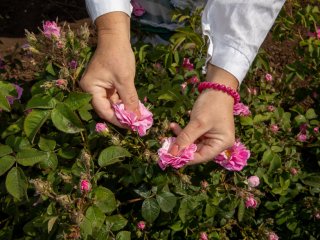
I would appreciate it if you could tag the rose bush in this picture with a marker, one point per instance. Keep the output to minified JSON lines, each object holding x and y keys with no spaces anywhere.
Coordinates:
{"x":65,"y":174}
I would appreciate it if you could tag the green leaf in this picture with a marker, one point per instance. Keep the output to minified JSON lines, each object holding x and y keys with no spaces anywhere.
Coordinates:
{"x":187,"y":205}
{"x":275,"y":163}
{"x":65,"y":119}
{"x":96,"y":217}
{"x":6,"y":163}
{"x":46,"y":144}
{"x":76,"y":100}
{"x":150,"y":209}
{"x":167,"y":201}
{"x":104,"y":199}
{"x":16,"y":183}
{"x":260,"y":118}
{"x":41,"y":101}
{"x":267,"y":157}
{"x":300,"y":119}
{"x":241,"y":210}
{"x":29,"y":157}
{"x":112,"y":155}
{"x":311,"y":114}
{"x":51,"y":223}
{"x":116,"y":222}
{"x":50,"y":163}
{"x":123,"y":235}
{"x":312,"y":180}
{"x":13,"y":128}
{"x":246,"y":121}
{"x":50,"y":69}
{"x":5,"y":150}
{"x":34,"y":122}
{"x":4,"y":104}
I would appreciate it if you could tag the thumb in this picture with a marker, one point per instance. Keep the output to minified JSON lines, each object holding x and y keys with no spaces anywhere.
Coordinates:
{"x":129,"y":97}
{"x":187,"y":136}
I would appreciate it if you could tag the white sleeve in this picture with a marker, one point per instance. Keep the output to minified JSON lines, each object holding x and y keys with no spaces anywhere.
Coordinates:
{"x":97,"y":8}
{"x":236,"y":29}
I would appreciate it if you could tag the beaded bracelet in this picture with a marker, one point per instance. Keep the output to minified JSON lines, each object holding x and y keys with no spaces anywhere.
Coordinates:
{"x":220,"y":87}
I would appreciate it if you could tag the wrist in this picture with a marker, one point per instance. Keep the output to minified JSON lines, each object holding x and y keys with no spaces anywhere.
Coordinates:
{"x":114,"y":24}
{"x":221,"y":76}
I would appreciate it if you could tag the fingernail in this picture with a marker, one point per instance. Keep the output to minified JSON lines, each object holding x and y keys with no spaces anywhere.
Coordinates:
{"x":174,"y":150}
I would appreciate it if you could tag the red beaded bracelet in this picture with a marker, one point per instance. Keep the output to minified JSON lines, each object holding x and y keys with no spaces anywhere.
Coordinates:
{"x":220,"y":87}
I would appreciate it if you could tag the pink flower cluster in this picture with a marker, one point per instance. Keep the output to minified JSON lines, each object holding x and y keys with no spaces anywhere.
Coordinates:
{"x":272,"y":236}
{"x":251,"y":202}
{"x":268,"y":77}
{"x":50,"y":28}
{"x":234,"y":158}
{"x":137,"y":10}
{"x":166,"y":159}
{"x":141,"y":225}
{"x":239,"y":109}
{"x":130,"y":119}
{"x":253,"y":181}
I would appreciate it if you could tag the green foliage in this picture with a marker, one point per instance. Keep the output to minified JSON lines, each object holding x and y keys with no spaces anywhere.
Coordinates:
{"x":49,"y":148}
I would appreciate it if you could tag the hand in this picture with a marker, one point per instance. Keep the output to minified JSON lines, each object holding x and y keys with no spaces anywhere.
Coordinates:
{"x":211,"y":124}
{"x":110,"y":74}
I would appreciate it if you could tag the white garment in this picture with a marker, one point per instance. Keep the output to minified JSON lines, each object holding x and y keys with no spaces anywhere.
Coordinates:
{"x":236,"y":28}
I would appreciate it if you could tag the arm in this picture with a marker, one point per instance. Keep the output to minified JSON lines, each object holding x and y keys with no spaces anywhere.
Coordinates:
{"x":236,"y":30}
{"x":110,"y":74}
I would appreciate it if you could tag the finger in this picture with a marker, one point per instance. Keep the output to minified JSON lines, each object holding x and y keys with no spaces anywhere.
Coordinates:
{"x":175,"y":128}
{"x":187,"y":136}
{"x":129,"y":97}
{"x":207,"y":152}
{"x":103,"y":107}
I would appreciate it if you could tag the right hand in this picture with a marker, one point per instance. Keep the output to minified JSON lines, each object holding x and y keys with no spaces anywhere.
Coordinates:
{"x":110,"y":74}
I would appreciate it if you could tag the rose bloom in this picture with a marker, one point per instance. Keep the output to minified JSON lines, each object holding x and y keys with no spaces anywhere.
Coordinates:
{"x":137,"y":10}
{"x":302,"y":137}
{"x":102,"y":128}
{"x":141,"y":225}
{"x":203,"y":236}
{"x":166,"y":159}
{"x":187,"y":64}
{"x":50,"y":29}
{"x":274,"y":128}
{"x":271,"y":108}
{"x":272,"y":236}
{"x":268,"y":77}
{"x":234,"y":158}
{"x":241,"y":109}
{"x":85,"y":185}
{"x":251,"y":202}
{"x":130,"y":119}
{"x":194,"y":80}
{"x":316,"y":130}
{"x":293,"y":171}
{"x":253,"y":181}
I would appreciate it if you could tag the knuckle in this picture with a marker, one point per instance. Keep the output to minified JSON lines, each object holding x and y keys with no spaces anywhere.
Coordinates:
{"x":184,"y":137}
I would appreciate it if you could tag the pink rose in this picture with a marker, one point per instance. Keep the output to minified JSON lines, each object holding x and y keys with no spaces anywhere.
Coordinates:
{"x":203,"y":236}
{"x":187,"y":64}
{"x":85,"y":185}
{"x":268,"y":77}
{"x":293,"y":171}
{"x":131,"y":120}
{"x":194,"y":80}
{"x":272,"y":236}
{"x":102,"y":129}
{"x":138,"y":10}
{"x":316,"y":130}
{"x":166,"y":159}
{"x":51,"y":29}
{"x":253,"y":181}
{"x":271,"y":108}
{"x":241,"y":109}
{"x":234,"y":158}
{"x":251,"y":202}
{"x":141,"y":225}
{"x":302,"y":137}
{"x":62,"y":83}
{"x":274,"y":128}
